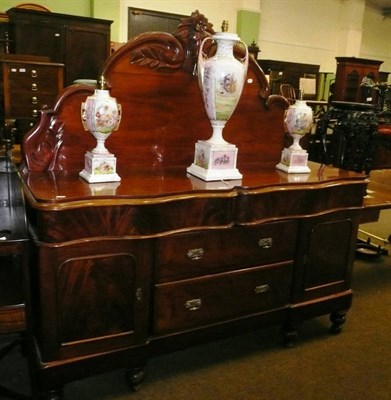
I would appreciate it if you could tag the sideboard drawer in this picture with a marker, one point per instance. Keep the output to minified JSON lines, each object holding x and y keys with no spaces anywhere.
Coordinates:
{"x":195,"y":302}
{"x":213,"y":251}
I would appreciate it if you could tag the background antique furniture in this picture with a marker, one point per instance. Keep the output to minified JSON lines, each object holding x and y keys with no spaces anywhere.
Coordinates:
{"x":289,"y":72}
{"x":28,"y":84}
{"x":82,"y":44}
{"x":14,"y":244}
{"x":349,"y":74}
{"x":288,"y":92}
{"x":347,"y":136}
{"x":162,"y":259}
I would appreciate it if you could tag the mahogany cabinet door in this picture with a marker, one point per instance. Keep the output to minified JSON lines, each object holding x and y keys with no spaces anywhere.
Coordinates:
{"x":94,"y":297}
{"x":325,"y":255}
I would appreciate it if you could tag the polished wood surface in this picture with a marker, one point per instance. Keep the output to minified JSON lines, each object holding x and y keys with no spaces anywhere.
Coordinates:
{"x":162,"y":259}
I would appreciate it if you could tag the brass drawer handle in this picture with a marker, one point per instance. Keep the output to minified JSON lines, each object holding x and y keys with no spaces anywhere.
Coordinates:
{"x":139,"y":294}
{"x":193,"y":305}
{"x":34,"y":100}
{"x":34,"y":73}
{"x":195,"y":254}
{"x":35,"y":113}
{"x":261,"y":289}
{"x":34,"y":87}
{"x":265,"y":243}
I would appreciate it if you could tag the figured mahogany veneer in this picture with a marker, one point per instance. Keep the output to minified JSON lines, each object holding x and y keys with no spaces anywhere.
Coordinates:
{"x":162,"y":259}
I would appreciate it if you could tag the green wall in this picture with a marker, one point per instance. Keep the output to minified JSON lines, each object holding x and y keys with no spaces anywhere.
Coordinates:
{"x":104,"y":9}
{"x":247,"y":25}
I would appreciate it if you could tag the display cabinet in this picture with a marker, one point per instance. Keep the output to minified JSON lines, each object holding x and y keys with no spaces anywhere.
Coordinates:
{"x":348,"y":77}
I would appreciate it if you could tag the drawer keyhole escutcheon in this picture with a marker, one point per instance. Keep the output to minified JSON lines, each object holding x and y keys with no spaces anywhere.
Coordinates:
{"x":193,"y":304}
{"x":195,"y":254}
{"x":265,"y":243}
{"x":261,"y":289}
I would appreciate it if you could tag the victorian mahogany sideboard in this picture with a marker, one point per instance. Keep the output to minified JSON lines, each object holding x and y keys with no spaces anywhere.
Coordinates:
{"x":161,"y":260}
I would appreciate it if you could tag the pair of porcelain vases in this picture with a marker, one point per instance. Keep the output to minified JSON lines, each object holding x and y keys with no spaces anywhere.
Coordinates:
{"x":221,"y":80}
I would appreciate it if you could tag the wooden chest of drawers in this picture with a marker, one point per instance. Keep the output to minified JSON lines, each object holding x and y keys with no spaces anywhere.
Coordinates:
{"x":27,"y":87}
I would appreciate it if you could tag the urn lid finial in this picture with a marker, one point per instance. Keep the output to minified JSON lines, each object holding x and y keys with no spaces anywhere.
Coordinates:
{"x":102,"y":83}
{"x":224,"y":26}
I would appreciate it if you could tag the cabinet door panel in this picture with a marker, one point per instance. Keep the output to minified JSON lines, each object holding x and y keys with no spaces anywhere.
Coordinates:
{"x":326,"y":254}
{"x":81,"y":44}
{"x":93,"y":297}
{"x":41,"y":39}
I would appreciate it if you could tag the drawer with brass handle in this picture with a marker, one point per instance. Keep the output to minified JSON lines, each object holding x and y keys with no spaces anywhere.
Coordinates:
{"x":195,"y":254}
{"x":201,"y":301}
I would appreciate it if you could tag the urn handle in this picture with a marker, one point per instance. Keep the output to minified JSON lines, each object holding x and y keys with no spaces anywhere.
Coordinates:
{"x":244,"y":60}
{"x":202,"y":57}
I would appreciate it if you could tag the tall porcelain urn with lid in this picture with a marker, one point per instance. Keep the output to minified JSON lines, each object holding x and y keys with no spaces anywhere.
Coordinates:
{"x":100,"y":115}
{"x":298,"y":122}
{"x":221,"y":79}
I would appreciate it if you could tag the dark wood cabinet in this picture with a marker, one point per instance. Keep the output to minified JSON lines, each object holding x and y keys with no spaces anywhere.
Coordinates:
{"x":349,"y":74}
{"x":82,"y":44}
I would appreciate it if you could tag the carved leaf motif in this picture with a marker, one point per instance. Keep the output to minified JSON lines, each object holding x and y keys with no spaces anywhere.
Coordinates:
{"x":157,"y":57}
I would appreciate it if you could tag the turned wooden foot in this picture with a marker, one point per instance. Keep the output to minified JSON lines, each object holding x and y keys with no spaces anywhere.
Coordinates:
{"x":337,"y":319}
{"x":289,"y":335}
{"x":135,"y":377}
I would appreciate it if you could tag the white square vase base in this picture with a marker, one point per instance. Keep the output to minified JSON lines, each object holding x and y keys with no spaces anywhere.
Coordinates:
{"x":215,"y":162}
{"x":99,"y":168}
{"x":294,"y":161}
